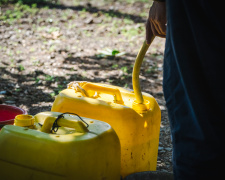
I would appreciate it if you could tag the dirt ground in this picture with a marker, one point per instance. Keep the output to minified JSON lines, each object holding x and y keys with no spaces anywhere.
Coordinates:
{"x":44,"y":47}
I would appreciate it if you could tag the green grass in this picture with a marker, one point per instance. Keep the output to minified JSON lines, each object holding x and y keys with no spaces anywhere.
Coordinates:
{"x":152,"y":69}
{"x":26,"y":1}
{"x":19,"y":11}
{"x":109,"y":53}
{"x":133,"y":1}
{"x":21,"y":67}
{"x":76,"y":2}
{"x":49,"y":78}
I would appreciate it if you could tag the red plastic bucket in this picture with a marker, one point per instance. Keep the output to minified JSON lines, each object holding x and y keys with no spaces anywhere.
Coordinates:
{"x":8,"y":113}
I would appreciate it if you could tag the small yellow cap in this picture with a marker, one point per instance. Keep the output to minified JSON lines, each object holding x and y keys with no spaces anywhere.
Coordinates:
{"x":141,"y":108}
{"x":24,"y":120}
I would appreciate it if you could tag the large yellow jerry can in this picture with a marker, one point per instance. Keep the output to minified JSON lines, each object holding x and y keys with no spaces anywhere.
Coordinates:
{"x":74,"y":152}
{"x":135,"y":118}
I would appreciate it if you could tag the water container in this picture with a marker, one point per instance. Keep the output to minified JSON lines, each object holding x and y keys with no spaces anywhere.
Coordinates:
{"x":60,"y":147}
{"x":135,"y":117}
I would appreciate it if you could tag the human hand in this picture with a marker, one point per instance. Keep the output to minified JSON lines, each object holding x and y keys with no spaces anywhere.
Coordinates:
{"x":156,"y":23}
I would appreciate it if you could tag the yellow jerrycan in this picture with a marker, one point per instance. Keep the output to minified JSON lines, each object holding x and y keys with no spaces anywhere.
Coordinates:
{"x":58,"y":146}
{"x":135,"y":117}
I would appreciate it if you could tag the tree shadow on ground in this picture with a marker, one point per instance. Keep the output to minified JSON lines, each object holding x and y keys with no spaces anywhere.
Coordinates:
{"x":19,"y":89}
{"x":89,"y":8}
{"x":36,"y":88}
{"x":92,"y":9}
{"x":114,"y":70}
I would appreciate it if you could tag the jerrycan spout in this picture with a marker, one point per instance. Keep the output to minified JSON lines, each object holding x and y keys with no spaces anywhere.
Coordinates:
{"x":139,"y":104}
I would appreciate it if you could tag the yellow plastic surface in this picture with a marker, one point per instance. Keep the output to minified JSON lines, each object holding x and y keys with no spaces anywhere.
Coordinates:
{"x":74,"y":152}
{"x":136,"y":72}
{"x":138,"y":133}
{"x":24,"y":120}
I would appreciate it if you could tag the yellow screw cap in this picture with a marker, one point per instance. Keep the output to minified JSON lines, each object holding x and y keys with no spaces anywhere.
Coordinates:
{"x":141,"y":108}
{"x":24,"y":120}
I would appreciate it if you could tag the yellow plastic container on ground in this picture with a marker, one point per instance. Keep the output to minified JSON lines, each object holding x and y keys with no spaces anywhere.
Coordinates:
{"x":60,"y":147}
{"x":135,"y":118}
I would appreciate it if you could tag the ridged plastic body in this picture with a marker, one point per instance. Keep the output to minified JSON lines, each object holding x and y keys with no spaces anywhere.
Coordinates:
{"x":31,"y":154}
{"x":138,"y":133}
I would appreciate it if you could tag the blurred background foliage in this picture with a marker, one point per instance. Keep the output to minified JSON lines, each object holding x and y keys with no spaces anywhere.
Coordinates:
{"x":27,"y":1}
{"x":56,"y":1}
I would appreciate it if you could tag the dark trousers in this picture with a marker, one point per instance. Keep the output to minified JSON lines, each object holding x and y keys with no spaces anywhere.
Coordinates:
{"x":194,"y":81}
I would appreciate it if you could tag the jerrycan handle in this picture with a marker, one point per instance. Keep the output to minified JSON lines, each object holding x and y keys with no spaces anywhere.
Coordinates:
{"x":139,"y":103}
{"x":107,"y":90}
{"x":52,"y":122}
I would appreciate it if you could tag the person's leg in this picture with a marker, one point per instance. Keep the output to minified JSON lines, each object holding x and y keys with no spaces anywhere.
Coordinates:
{"x":193,"y":89}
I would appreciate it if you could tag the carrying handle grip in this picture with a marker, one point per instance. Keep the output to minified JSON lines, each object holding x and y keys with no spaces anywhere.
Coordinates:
{"x":136,"y":72}
{"x":78,"y":125}
{"x":107,"y":90}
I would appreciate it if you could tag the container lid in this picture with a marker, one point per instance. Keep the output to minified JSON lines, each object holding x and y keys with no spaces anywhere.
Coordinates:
{"x":24,"y":120}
